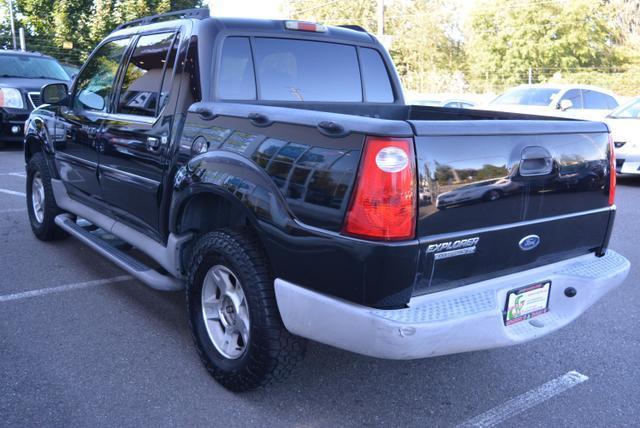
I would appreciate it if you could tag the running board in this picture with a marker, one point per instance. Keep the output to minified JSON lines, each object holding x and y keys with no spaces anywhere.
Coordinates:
{"x":168,"y":256}
{"x":144,"y":273}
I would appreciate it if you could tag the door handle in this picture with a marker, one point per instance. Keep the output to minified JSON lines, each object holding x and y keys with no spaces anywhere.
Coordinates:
{"x":153,"y":143}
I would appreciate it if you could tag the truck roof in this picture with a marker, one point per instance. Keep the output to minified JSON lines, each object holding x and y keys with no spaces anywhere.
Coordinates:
{"x":264,"y":26}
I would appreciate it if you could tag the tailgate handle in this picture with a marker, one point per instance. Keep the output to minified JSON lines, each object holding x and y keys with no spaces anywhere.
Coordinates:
{"x":535,"y":160}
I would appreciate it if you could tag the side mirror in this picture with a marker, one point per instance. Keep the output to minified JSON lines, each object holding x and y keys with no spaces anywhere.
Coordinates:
{"x":54,"y":94}
{"x":91,"y":100}
{"x":565,"y":105}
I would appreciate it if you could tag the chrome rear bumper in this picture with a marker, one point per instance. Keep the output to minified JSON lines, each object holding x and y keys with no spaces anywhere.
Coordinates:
{"x":459,"y":320}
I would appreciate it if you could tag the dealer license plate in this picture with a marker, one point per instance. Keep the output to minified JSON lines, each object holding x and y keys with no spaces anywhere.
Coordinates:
{"x":527,"y":302}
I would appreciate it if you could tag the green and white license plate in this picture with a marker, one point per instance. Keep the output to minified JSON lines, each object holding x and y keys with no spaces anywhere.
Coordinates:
{"x":527,"y":302}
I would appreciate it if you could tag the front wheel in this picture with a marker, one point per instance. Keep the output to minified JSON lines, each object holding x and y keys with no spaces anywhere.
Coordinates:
{"x":41,"y":204}
{"x":233,"y":313}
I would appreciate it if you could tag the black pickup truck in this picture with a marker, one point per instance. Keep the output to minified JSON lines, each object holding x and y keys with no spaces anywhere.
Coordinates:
{"x":273,"y":170}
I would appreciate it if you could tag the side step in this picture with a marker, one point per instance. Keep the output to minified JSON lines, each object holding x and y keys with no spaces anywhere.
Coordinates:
{"x":144,"y":273}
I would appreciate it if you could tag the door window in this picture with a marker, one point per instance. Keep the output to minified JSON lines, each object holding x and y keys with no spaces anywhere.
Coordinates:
{"x":95,"y":81}
{"x":140,"y":93}
{"x":575,"y":96}
{"x":594,"y":100}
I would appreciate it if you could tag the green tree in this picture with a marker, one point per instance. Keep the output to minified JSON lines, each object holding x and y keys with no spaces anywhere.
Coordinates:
{"x":51,"y":23}
{"x":505,"y":39}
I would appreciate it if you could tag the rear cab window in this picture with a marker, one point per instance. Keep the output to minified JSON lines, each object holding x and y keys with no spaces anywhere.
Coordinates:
{"x":280,"y":69}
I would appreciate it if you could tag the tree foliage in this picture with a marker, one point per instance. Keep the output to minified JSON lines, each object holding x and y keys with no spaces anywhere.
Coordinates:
{"x":51,"y":23}
{"x":590,"y":41}
{"x":562,"y":36}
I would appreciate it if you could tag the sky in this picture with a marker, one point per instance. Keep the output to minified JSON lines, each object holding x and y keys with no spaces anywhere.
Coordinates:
{"x":267,"y":9}
{"x":273,"y":9}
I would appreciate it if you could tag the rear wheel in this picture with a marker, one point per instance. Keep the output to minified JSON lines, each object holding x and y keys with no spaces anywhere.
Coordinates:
{"x":233,"y":313}
{"x":41,"y":204}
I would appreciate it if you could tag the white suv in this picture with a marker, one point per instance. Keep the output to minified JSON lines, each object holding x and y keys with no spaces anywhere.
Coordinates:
{"x":579,"y":101}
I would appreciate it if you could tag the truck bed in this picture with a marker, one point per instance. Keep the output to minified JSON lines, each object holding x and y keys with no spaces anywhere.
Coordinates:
{"x":470,"y":182}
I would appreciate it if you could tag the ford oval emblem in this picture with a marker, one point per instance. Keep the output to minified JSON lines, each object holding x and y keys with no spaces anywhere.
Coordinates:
{"x":529,"y":242}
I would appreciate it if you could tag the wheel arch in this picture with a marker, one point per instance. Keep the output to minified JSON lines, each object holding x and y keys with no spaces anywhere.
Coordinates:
{"x":224,"y":210}
{"x":36,"y":138}
{"x":32,"y":145}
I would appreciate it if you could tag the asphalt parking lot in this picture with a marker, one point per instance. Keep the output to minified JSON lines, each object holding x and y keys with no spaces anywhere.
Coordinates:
{"x":81,"y":344}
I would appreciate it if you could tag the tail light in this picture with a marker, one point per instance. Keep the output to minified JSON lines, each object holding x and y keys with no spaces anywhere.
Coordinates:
{"x":383,"y":205}
{"x":612,"y":172}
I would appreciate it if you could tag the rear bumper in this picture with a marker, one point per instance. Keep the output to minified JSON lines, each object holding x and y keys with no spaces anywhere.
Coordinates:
{"x":464,"y":319}
{"x":628,"y":164}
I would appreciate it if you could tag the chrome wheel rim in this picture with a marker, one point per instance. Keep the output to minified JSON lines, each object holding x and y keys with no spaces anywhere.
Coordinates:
{"x":225,"y":312}
{"x":37,"y":197}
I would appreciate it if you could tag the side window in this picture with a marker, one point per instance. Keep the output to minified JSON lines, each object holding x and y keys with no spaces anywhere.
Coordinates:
{"x":377,"y":87}
{"x":142,"y":81}
{"x":236,"y":79}
{"x":575,"y":96}
{"x":598,"y":101}
{"x":95,"y":83}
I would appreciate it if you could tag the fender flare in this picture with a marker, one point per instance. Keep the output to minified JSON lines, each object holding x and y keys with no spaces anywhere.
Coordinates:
{"x":236,"y":180}
{"x":36,"y":132}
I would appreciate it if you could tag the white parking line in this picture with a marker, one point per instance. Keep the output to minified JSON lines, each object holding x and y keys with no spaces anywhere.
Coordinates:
{"x":12,"y":192}
{"x":63,"y":288}
{"x":14,"y":174}
{"x":526,"y":401}
{"x":12,"y":210}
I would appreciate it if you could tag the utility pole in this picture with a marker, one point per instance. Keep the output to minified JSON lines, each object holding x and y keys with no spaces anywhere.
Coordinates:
{"x":13,"y":28}
{"x":530,"y":75}
{"x":23,"y":45}
{"x":380,"y":16}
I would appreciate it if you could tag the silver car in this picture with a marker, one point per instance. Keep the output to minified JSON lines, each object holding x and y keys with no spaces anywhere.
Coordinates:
{"x":624,"y":124}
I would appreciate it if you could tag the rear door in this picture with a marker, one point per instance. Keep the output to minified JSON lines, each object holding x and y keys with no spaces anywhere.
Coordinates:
{"x":134,"y":140}
{"x":78,"y":158}
{"x":486,"y":189}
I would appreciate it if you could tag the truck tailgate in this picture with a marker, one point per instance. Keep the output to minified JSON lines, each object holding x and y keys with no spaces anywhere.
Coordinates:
{"x":497,"y":196}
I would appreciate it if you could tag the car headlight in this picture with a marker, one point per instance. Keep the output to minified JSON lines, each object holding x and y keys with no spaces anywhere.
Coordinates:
{"x":10,"y":97}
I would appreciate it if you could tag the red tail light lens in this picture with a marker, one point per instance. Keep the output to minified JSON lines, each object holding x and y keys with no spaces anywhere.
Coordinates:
{"x":384,"y":202}
{"x":612,"y":172}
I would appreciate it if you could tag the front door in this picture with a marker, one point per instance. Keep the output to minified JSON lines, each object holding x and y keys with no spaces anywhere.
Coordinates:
{"x":134,"y":141}
{"x":81,"y":122}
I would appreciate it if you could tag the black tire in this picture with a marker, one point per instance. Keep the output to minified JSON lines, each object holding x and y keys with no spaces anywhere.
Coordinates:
{"x":45,"y":228}
{"x":492,"y":195}
{"x":271,"y":352}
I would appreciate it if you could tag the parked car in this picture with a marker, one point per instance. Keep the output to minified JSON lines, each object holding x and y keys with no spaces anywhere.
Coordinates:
{"x":72,"y":70}
{"x":579,"y":101}
{"x":272,"y":169}
{"x":22,"y":75}
{"x":485,"y":190}
{"x":448,"y":103}
{"x":624,"y":123}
